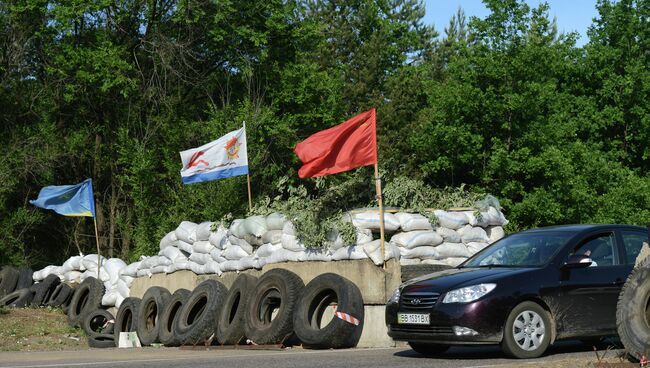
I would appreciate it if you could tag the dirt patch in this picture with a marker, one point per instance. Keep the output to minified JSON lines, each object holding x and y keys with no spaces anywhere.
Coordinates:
{"x":38,"y":329}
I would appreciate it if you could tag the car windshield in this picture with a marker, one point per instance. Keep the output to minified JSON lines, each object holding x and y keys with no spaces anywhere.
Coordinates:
{"x":520,"y":250}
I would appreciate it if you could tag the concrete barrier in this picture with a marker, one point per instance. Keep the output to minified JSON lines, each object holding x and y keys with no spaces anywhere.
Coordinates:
{"x":375,"y":283}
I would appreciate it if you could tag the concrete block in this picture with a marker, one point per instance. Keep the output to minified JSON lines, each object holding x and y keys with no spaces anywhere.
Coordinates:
{"x":375,"y":332}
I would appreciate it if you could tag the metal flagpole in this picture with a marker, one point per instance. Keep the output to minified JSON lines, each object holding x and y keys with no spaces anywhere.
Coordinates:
{"x":99,"y":257}
{"x":248,"y":176}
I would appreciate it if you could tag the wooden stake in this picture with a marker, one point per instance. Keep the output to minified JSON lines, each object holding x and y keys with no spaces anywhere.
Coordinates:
{"x":99,"y":257}
{"x":381,"y":214}
{"x":250,"y":196}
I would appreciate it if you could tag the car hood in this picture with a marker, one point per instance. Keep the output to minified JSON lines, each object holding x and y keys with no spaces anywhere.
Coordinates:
{"x":459,"y":277}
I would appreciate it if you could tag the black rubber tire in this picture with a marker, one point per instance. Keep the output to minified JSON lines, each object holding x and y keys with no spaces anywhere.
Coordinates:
{"x":94,"y":322}
{"x":101,"y":341}
{"x":17,"y":299}
{"x":428,"y":350}
{"x":87,"y":297}
{"x":66,"y":305}
{"x":633,"y":312}
{"x":230,"y":329}
{"x":276,"y":289}
{"x":412,"y":271}
{"x":169,"y":316}
{"x":126,"y":318}
{"x":8,"y":280}
{"x":328,"y":290}
{"x":509,"y":345}
{"x":198,"y":318}
{"x":44,"y":289}
{"x":25,"y":278}
{"x":149,"y":311}
{"x":61,"y":294}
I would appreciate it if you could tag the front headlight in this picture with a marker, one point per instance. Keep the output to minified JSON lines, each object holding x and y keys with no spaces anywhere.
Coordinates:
{"x":468,"y":294}
{"x":394,"y":299}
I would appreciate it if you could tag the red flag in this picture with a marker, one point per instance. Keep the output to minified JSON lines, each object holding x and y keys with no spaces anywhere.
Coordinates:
{"x":340,"y":148}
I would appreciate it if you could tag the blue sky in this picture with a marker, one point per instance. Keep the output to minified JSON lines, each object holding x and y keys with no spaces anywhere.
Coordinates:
{"x":572,"y":15}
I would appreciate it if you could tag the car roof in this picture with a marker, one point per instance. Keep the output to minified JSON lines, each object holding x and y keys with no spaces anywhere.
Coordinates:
{"x":579,"y":228}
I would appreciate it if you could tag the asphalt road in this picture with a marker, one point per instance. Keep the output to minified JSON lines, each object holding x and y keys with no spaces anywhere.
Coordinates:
{"x":290,"y":358}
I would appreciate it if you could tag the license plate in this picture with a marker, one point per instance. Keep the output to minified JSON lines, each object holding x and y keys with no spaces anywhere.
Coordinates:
{"x":412,"y":319}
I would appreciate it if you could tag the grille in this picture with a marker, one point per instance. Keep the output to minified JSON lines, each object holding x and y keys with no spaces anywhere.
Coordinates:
{"x":427,"y":329}
{"x":419,"y":300}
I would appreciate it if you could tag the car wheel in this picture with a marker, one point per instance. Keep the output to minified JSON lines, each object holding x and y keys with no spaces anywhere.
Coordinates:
{"x":428,"y":350}
{"x":527,"y":332}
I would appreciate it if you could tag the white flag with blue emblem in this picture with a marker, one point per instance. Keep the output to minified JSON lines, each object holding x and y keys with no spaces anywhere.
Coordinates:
{"x":220,"y":159}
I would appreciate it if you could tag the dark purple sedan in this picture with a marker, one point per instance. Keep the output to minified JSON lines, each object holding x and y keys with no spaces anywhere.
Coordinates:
{"x":523,"y":292}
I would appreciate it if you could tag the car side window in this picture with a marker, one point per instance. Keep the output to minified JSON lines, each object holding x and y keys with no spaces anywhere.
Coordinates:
{"x":633,"y":242}
{"x":600,"y":249}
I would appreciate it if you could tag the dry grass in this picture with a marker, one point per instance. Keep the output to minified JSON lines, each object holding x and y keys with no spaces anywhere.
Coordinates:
{"x":38,"y":329}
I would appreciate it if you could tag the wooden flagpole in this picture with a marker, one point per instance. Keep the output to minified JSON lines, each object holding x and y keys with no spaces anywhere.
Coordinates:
{"x":99,"y":257}
{"x":250,"y":196}
{"x":381,"y":214}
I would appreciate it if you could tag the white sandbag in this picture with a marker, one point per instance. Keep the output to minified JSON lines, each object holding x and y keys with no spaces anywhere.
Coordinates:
{"x":212,"y":267}
{"x":234,"y":252}
{"x":198,"y":269}
{"x":448,"y":235}
{"x":495,"y":233}
{"x":169,"y":240}
{"x":92,"y":272}
{"x":416,"y":238}
{"x":409,"y":261}
{"x":317,"y":255}
{"x":266,"y":250}
{"x":413,"y":221}
{"x":237,"y":228}
{"x":255,"y":225}
{"x":491,"y":217}
{"x":243,"y":244}
{"x":285,"y":255}
{"x":72,"y":277}
{"x":128,"y":280}
{"x":109,"y":299}
{"x":289,"y":228}
{"x":248,"y":263}
{"x":200,"y":258}
{"x":475,"y":247}
{"x":118,"y":301}
{"x":216,"y":256}
{"x":154,"y":261}
{"x":447,"y":250}
{"x":202,"y":246}
{"x":253,"y":240}
{"x":275,"y":221}
{"x":159,"y":269}
{"x":453,"y":262}
{"x":373,"y":251}
{"x":364,"y":236}
{"x":185,"y":246}
{"x":144,"y":272}
{"x":184,"y":265}
{"x":113,"y":266}
{"x":72,"y":264}
{"x":41,"y":274}
{"x":292,"y":243}
{"x":218,"y":238}
{"x":130,"y":270}
{"x":229,"y":266}
{"x":370,"y":220}
{"x":186,"y":231}
{"x":334,"y":240}
{"x":470,"y":234}
{"x":202,"y":232}
{"x":272,"y":237}
{"x":350,"y":252}
{"x":173,"y":254}
{"x":451,"y":220}
{"x":90,"y":261}
{"x":420,"y":252}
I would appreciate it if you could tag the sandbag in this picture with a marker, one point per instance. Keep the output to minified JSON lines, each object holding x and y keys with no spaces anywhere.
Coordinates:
{"x":451,"y":220}
{"x":200,"y":258}
{"x":72,"y":277}
{"x":285,"y":255}
{"x":109,"y":299}
{"x":417,"y":238}
{"x":169,"y":240}
{"x":144,"y":272}
{"x":198,"y":269}
{"x":317,"y":255}
{"x":237,"y":229}
{"x":72,"y":264}
{"x":333,"y":240}
{"x":470,"y":234}
{"x":275,"y":221}
{"x":130,"y":270}
{"x":351,"y":252}
{"x":494,"y":233}
{"x":455,"y":261}
{"x":212,"y":267}
{"x":218,"y":238}
{"x":420,"y":252}
{"x":292,"y":243}
{"x":186,"y":231}
{"x":364,"y":236}
{"x":475,"y":247}
{"x":255,"y":225}
{"x":491,"y":217}
{"x":289,"y":228}
{"x":128,"y":280}
{"x":234,"y":252}
{"x":370,"y":220}
{"x":216,"y":255}
{"x":413,"y":221}
{"x":272,"y":237}
{"x":202,"y":246}
{"x":122,"y":288}
{"x":185,"y":246}
{"x":248,"y":263}
{"x":202,"y":232}
{"x":266,"y":250}
{"x":447,"y":250}
{"x":242,"y":243}
{"x":90,"y":261}
{"x":155,"y":261}
{"x":253,"y":240}
{"x":173,"y":254}
{"x":373,"y":251}
{"x":113,"y":267}
{"x":448,"y":235}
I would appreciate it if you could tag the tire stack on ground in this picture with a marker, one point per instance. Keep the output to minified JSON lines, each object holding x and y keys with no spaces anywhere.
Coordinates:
{"x":15,"y":287}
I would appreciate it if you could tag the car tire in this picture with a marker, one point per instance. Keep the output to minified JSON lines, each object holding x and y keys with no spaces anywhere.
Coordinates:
{"x":25,"y":278}
{"x":169,"y":315}
{"x":94,"y":322}
{"x":527,"y":331}
{"x":101,"y":341}
{"x":230,"y":329}
{"x":412,"y":271}
{"x":126,"y":318}
{"x":8,"y":280}
{"x":43,"y":290}
{"x":633,"y":311}
{"x":17,"y":299}
{"x":328,"y":290}
{"x":87,"y":297}
{"x":428,"y":350}
{"x":278,"y":291}
{"x":197,"y":320}
{"x":151,"y":306}
{"x":61,"y":294}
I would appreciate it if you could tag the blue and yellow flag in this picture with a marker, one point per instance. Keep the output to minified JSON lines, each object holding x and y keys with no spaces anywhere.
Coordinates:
{"x":68,"y":200}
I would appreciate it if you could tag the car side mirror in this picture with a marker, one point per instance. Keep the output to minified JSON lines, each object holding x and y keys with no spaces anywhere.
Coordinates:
{"x":578,"y":261}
